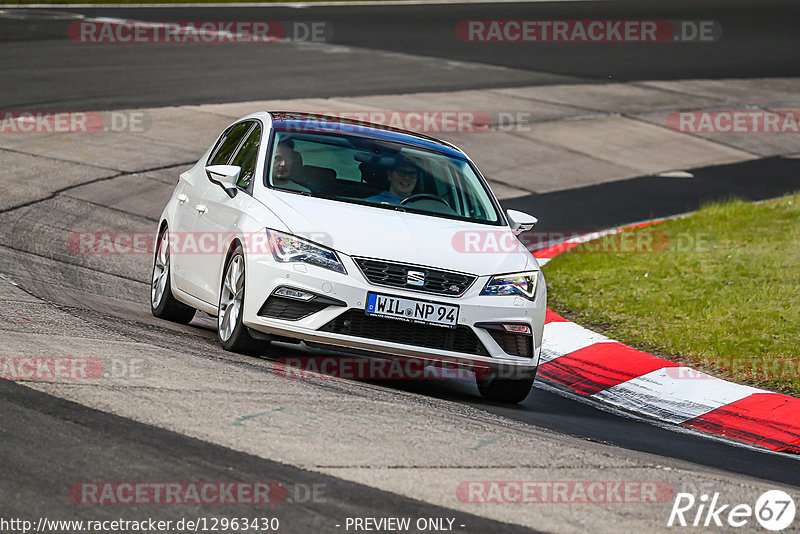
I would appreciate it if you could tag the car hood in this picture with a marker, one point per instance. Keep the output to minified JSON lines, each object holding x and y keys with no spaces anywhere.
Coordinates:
{"x":358,"y":230}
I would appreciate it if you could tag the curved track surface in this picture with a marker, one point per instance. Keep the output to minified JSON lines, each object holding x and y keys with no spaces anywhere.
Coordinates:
{"x":359,"y":431}
{"x":194,"y":412}
{"x":379,"y":49}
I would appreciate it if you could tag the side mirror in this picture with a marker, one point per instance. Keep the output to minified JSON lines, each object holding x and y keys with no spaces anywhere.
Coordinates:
{"x":224,"y":176}
{"x":520,"y":221}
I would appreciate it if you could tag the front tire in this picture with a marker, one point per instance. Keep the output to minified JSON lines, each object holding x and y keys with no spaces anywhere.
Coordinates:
{"x":231,"y":331}
{"x":510,"y":390}
{"x":162,"y":302}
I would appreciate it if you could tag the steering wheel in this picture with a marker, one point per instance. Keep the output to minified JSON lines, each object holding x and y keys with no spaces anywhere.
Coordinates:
{"x":420,"y":196}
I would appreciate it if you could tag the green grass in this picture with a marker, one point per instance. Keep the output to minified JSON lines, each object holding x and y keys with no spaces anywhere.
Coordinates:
{"x":718,"y":291}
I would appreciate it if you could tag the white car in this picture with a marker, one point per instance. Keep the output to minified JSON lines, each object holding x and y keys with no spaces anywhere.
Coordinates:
{"x":348,"y":235}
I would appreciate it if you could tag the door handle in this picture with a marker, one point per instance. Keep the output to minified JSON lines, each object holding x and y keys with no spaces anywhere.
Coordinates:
{"x":182,"y":198}
{"x":201,"y":208}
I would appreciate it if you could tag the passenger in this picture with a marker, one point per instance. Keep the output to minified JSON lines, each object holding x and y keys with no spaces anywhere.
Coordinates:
{"x":285,"y":165}
{"x":402,"y":180}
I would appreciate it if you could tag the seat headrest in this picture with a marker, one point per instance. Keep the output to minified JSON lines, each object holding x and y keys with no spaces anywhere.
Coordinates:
{"x":374,"y":174}
{"x":318,"y":175}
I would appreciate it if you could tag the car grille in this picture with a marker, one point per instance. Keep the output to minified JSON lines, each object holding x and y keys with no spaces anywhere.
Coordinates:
{"x":384,"y":273}
{"x":514,"y":344}
{"x":355,"y":322}
{"x":290,"y":309}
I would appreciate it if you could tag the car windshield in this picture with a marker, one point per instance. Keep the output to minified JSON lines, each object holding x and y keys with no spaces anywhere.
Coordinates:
{"x":379,"y":173}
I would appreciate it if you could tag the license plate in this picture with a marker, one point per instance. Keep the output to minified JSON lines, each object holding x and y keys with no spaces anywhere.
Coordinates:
{"x":412,"y":310}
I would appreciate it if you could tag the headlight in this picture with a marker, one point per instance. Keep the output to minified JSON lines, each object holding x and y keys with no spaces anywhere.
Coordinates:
{"x":286,"y":248}
{"x":522,"y":284}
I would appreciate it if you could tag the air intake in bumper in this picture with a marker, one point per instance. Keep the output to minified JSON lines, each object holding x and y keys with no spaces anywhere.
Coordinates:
{"x":355,"y":322}
{"x":515,"y":343}
{"x":293,"y":309}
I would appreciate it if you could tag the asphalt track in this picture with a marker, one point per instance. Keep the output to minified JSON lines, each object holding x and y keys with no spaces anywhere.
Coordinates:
{"x":86,"y":444}
{"x":608,"y":205}
{"x":41,"y":71}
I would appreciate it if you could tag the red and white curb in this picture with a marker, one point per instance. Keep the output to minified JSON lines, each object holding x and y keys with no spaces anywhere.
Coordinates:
{"x":596,"y":367}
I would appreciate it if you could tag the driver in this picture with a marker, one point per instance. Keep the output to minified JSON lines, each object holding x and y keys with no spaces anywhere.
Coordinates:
{"x":402,"y":181}
{"x":285,"y":166}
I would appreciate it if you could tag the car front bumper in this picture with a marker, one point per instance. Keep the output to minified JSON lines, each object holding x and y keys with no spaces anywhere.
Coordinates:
{"x":264,"y":275}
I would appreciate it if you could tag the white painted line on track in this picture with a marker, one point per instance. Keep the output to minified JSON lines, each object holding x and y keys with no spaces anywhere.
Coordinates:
{"x":673,"y":395}
{"x":562,"y":338}
{"x":25,"y":14}
{"x":8,"y":279}
{"x":675,"y":174}
{"x":589,"y":400}
{"x":182,"y":29}
{"x":296,"y":5}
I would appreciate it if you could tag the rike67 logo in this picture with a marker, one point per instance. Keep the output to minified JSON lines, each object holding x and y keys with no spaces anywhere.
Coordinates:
{"x":774,"y":510}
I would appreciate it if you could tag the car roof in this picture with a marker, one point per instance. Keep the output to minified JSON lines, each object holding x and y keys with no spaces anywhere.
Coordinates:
{"x":287,"y":121}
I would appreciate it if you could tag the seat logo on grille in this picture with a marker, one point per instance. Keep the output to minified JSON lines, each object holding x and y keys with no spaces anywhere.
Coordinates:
{"x":415,"y":278}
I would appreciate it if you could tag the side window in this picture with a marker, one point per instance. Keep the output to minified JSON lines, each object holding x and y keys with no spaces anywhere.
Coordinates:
{"x":332,"y":157}
{"x":230,"y":140}
{"x":246,"y":157}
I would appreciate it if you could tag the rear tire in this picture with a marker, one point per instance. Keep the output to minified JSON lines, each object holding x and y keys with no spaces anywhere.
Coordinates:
{"x":231,"y":332}
{"x":163,"y":303}
{"x":510,"y":390}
